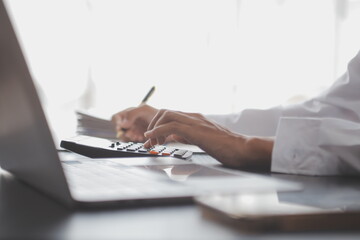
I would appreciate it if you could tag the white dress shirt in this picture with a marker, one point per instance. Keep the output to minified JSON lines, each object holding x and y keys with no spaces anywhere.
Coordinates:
{"x":318,"y":137}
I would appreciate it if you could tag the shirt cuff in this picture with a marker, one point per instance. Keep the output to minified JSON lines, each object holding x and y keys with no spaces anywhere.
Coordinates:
{"x":295,"y":149}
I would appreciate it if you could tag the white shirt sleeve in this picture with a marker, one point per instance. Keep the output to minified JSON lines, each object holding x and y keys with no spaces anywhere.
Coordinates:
{"x":317,"y":146}
{"x":318,"y":137}
{"x":254,"y":122}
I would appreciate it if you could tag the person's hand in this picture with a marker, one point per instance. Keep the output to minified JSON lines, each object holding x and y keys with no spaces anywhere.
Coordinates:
{"x":133,"y":122}
{"x":231,"y":149}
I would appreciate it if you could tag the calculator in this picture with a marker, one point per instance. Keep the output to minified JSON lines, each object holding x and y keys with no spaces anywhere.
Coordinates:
{"x":94,"y":147}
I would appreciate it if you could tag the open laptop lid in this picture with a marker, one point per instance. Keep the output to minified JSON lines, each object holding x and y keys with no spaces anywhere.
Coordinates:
{"x":26,"y":146}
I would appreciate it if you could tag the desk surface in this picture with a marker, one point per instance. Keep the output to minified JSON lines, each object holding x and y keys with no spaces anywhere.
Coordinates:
{"x":28,"y":214}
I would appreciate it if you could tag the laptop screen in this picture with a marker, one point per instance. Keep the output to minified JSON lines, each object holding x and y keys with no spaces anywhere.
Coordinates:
{"x":26,"y":145}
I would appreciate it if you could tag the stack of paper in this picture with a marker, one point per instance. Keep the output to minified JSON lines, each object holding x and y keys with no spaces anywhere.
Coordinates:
{"x":94,"y":126}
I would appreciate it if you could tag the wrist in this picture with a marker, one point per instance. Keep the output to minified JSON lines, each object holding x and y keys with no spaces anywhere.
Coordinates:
{"x":257,"y":152}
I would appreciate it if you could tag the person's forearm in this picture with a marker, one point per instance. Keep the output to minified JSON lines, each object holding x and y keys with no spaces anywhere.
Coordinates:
{"x":232,"y":149}
{"x":243,"y":152}
{"x":259,"y":151}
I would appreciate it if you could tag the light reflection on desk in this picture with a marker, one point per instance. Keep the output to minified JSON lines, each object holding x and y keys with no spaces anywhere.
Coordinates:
{"x":181,"y":173}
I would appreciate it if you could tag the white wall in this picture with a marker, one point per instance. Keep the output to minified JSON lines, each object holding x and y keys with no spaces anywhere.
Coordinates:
{"x":211,"y":56}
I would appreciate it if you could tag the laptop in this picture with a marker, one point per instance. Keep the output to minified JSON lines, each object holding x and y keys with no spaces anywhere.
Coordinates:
{"x":27,"y":150}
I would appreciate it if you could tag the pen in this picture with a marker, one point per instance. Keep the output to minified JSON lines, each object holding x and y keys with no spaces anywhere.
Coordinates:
{"x":145,"y":99}
{"x":148,"y":95}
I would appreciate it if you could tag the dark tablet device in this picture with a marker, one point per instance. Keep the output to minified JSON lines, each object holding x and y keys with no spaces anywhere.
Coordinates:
{"x":256,"y":212}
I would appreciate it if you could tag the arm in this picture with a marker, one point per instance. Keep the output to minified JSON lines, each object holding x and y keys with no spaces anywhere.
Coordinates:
{"x":328,"y":142}
{"x":337,"y":109}
{"x":232,"y":149}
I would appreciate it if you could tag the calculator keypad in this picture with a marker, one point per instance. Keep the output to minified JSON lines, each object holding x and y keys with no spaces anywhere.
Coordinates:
{"x":156,"y":150}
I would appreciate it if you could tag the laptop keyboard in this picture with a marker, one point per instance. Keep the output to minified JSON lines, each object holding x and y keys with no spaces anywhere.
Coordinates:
{"x":99,"y":178}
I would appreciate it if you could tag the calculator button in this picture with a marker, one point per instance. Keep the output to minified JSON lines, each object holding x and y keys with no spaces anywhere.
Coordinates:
{"x":179,"y":153}
{"x":187,"y":155}
{"x":134,"y":147}
{"x":168,"y":151}
{"x":127,"y":145}
{"x":143,"y":150}
{"x":157,"y":150}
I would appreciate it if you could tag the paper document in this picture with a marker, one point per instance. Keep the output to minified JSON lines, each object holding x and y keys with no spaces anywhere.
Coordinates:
{"x":90,"y":125}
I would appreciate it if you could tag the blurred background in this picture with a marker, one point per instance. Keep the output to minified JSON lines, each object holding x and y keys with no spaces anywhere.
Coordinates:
{"x":209,"y":56}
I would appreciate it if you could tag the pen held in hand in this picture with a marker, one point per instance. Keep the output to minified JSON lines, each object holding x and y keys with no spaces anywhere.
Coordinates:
{"x":148,"y":95}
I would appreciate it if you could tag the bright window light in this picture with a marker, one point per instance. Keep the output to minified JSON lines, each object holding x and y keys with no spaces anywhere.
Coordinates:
{"x":209,"y":56}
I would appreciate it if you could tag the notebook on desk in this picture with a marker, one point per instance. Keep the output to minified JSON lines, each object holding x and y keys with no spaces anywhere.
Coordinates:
{"x":28,"y":152}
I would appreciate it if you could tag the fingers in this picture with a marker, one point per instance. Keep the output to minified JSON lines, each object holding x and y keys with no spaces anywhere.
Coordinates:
{"x":160,"y":132}
{"x":131,"y":123}
{"x":155,"y":119}
{"x":163,"y":116}
{"x":164,"y":130}
{"x":171,"y":123}
{"x":159,"y":118}
{"x":175,"y":138}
